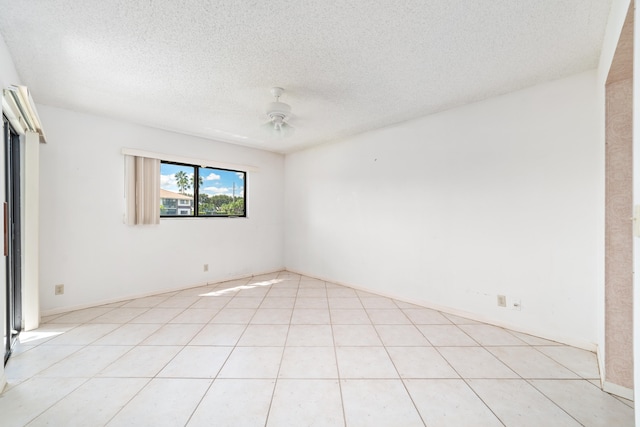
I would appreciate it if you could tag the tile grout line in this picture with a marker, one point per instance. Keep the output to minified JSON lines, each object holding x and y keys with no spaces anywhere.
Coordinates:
{"x":521,"y":378}
{"x":335,"y":356}
{"x":58,"y":400}
{"x":528,"y":381}
{"x":87,"y":322}
{"x":129,"y":401}
{"x":156,"y":377}
{"x":404,"y":385}
{"x":215,"y":377}
{"x":458,"y":373}
{"x":563,"y":365}
{"x":275,"y":381}
{"x":471,"y":388}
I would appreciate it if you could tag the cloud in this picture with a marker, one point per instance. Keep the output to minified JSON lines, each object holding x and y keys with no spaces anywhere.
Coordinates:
{"x":212,"y":177}
{"x":167,"y":180}
{"x":226,"y":191}
{"x":217,"y":190}
{"x":240,"y":175}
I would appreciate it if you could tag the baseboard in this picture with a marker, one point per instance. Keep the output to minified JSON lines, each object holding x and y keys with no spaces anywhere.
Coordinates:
{"x":585,"y":345}
{"x":61,"y":310}
{"x":618,"y":390}
{"x":450,"y":310}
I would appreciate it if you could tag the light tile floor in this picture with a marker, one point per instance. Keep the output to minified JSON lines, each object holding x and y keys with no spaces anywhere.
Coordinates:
{"x":286,"y":350}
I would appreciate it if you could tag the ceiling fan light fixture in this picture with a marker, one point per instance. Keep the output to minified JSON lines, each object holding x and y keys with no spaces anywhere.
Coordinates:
{"x":277,"y":121}
{"x":278,"y":129}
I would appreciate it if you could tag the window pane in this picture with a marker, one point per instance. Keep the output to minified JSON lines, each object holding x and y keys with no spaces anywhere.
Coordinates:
{"x":176,"y":190}
{"x":221,"y":192}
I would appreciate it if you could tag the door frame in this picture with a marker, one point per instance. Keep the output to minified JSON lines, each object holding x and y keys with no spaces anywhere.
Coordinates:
{"x":13,"y":238}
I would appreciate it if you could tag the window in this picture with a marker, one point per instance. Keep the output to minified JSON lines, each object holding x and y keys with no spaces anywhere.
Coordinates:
{"x":219,"y":192}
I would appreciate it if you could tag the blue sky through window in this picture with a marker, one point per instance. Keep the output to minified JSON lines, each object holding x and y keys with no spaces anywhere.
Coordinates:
{"x":213,"y":181}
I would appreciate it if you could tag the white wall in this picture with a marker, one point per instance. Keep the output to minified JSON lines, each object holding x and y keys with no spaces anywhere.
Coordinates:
{"x":497,"y":197}
{"x":8,"y":76}
{"x":86,"y":246}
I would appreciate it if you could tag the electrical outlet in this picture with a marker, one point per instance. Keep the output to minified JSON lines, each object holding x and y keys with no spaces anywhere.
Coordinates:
{"x":59,"y":289}
{"x":502,"y":301}
{"x":206,"y":267}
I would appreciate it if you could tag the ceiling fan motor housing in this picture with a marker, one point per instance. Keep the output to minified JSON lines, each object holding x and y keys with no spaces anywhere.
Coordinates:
{"x":278,"y":109}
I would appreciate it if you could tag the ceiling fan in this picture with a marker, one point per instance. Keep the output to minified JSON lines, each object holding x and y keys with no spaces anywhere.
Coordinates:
{"x":279,"y":114}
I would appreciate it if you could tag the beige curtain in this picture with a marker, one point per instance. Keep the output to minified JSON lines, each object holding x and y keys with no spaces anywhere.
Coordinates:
{"x":142,"y":190}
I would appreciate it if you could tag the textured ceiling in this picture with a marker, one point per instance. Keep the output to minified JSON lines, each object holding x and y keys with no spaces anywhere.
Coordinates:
{"x":205,"y":67}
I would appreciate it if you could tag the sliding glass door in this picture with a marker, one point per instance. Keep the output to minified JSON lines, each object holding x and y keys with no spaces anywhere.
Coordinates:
{"x":12,"y":246}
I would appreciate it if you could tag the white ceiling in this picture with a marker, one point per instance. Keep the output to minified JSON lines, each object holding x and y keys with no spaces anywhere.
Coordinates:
{"x":205,"y":67}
